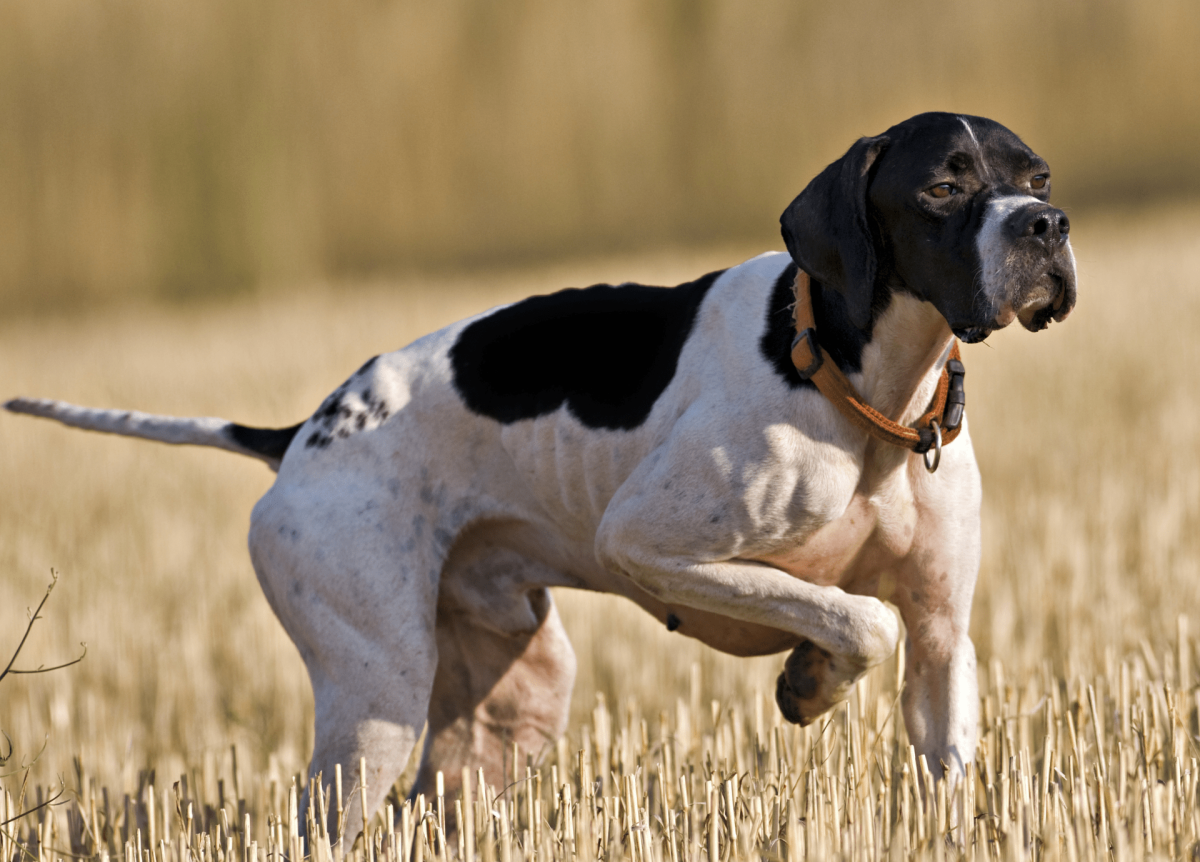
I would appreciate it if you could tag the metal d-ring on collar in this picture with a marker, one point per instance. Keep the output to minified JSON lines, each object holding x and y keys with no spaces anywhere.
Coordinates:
{"x":936,"y":448}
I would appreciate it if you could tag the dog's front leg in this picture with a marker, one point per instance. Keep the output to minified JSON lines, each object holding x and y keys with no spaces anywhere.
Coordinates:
{"x":935,"y":587}
{"x":842,"y":635}
{"x":941,"y":698}
{"x":690,"y":523}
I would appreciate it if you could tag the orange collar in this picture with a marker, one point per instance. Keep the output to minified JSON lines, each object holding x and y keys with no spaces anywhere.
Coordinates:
{"x":939,"y":425}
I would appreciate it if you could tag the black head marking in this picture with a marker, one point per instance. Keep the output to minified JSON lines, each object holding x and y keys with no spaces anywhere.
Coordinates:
{"x":930,"y":199}
{"x":906,"y":211}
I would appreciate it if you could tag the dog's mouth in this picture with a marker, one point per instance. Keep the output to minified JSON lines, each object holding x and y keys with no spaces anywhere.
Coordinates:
{"x":972,"y":334}
{"x":1051,"y":297}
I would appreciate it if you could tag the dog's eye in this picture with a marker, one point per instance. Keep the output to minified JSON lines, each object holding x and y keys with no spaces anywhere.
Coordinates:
{"x":1039,"y":181}
{"x":944,"y":190}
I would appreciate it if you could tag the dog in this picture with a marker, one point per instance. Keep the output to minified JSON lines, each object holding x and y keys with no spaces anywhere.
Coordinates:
{"x":659,"y":444}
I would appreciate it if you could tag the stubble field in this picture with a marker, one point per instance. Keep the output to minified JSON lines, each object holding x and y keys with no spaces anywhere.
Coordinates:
{"x":1088,"y":437}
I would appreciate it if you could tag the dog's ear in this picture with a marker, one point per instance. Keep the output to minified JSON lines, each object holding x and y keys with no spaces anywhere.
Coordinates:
{"x":826,"y":229}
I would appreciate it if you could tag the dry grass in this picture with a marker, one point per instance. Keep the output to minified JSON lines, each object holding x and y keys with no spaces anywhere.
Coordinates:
{"x":1088,"y":437}
{"x":1100,"y":768}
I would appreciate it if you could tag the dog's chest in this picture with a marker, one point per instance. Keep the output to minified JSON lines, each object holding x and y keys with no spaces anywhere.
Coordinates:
{"x":873,"y":530}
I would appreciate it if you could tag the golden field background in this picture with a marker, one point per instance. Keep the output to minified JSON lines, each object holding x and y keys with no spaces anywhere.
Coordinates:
{"x":161,"y":148}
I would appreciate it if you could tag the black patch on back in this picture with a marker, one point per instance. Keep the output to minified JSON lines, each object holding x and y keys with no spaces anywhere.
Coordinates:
{"x":607,"y":352}
{"x":268,"y":442}
{"x":835,"y":332}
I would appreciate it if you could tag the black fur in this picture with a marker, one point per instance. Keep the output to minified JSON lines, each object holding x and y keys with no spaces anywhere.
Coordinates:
{"x":341,"y":415}
{"x":835,"y":330}
{"x":606,"y":352}
{"x":827,"y":228}
{"x":269,"y":442}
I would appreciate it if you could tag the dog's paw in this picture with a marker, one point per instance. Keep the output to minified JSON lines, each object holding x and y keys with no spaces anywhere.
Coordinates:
{"x":813,"y":681}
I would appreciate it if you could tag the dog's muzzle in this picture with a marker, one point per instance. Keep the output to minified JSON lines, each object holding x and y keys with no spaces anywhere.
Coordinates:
{"x":1042,"y":232}
{"x":1030,"y":271}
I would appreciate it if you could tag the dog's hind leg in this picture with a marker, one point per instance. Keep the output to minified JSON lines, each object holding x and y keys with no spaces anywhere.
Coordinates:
{"x":358,"y":598}
{"x":496,"y":689}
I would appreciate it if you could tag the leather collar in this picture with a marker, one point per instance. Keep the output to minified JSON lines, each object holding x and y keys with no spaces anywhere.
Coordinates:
{"x":939,"y":425}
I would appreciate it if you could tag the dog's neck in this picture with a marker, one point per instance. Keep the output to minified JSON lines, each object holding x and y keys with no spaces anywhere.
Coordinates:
{"x":894,"y":364}
{"x":910,"y":342}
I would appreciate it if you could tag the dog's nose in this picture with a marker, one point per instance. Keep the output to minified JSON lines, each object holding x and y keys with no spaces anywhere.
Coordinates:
{"x":1042,"y":224}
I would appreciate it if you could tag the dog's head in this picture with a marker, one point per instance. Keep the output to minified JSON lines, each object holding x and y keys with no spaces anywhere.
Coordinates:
{"x":952,"y":209}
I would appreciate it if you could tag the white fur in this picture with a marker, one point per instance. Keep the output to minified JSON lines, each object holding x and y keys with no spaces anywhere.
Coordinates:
{"x":407,"y":561}
{"x":191,"y":431}
{"x":983,"y":167}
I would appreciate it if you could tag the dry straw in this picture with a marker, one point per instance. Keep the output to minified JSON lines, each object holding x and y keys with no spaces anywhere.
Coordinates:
{"x":1092,"y":766}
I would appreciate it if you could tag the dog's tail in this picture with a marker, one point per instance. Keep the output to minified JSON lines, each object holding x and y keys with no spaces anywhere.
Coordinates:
{"x":266,"y":444}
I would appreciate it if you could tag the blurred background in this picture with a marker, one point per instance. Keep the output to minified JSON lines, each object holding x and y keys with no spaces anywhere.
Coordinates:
{"x":180,"y":150}
{"x":222,"y":207}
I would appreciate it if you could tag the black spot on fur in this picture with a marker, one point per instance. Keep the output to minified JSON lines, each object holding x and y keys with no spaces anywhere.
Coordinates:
{"x":269,"y":442}
{"x":673,"y":622}
{"x":330,"y":406}
{"x":835,"y":332}
{"x":348,"y":411}
{"x":606,"y":352}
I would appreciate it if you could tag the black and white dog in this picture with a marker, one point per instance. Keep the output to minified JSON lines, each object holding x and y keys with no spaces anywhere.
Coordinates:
{"x":660,"y":445}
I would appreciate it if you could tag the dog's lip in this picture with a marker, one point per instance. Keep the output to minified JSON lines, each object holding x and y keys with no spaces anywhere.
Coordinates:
{"x":1037,"y":315}
{"x":1064,"y":300}
{"x":971,"y":334}
{"x":1006,"y":316}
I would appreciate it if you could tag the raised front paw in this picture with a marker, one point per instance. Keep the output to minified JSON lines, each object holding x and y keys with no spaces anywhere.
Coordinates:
{"x":813,"y":681}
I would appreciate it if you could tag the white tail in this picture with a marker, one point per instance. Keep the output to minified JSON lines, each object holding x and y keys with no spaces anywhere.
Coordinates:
{"x":194,"y":431}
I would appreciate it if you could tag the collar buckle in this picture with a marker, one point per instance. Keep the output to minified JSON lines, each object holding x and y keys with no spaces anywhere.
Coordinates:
{"x":956,"y":396}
